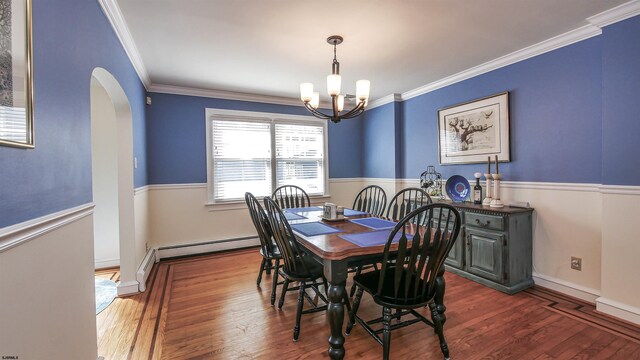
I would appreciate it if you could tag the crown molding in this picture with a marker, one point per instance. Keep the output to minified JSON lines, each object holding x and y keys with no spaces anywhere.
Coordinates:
{"x":618,"y":13}
{"x":221,"y":94}
{"x":384,"y":100}
{"x":568,"y":38}
{"x":114,"y":15}
{"x":118,"y":23}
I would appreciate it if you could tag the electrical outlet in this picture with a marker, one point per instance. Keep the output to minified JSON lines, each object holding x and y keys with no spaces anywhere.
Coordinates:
{"x":146,"y":247}
{"x":576,"y":263}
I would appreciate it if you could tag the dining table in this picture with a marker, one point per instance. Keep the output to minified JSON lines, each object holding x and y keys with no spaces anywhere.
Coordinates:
{"x":339,"y":245}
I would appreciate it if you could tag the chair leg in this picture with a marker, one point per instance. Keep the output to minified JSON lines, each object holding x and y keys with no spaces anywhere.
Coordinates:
{"x":296,"y":328}
{"x":386,"y":326}
{"x":285,"y":286}
{"x":264,"y":261}
{"x":275,"y":281}
{"x":437,"y":322}
{"x":353,"y":287}
{"x":268,"y":267}
{"x":353,"y":312}
{"x":347,"y":303}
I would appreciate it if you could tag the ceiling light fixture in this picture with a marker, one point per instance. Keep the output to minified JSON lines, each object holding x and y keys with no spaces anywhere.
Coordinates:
{"x":312,"y":99}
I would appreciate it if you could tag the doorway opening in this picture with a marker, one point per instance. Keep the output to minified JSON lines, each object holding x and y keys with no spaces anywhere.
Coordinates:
{"x":112,"y":179}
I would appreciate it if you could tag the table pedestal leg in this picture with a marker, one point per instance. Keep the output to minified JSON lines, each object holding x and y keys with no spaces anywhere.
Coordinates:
{"x":439,"y":298}
{"x":335,"y":314}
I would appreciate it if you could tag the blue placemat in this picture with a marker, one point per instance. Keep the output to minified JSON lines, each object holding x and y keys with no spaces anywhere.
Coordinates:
{"x":293,"y":216}
{"x":351,"y":212}
{"x":375,"y":223}
{"x":314,"y":228}
{"x":304,"y":209}
{"x":371,"y":238}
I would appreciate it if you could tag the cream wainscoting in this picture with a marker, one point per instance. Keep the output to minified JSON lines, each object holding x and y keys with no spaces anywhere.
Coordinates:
{"x":589,"y":221}
{"x":179,"y":215}
{"x":46,"y":282}
{"x":620,"y":293}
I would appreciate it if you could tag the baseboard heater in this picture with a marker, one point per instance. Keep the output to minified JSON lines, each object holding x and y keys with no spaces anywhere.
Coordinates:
{"x":207,"y":247}
{"x":145,"y":268}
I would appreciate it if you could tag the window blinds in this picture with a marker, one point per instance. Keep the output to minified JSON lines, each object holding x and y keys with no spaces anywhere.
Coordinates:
{"x":300,"y":157}
{"x":13,"y":124}
{"x":241,"y":156}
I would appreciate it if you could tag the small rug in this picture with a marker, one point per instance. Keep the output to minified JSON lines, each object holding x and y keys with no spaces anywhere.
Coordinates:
{"x":105,"y":293}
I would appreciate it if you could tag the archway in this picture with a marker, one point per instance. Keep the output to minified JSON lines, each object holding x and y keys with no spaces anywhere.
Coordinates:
{"x":112,"y":178}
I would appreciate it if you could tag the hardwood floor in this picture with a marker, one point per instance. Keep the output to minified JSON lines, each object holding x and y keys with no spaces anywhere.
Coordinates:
{"x":209,"y":307}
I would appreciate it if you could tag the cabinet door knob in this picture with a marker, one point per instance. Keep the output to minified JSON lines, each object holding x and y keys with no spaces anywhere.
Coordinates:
{"x":481,"y":224}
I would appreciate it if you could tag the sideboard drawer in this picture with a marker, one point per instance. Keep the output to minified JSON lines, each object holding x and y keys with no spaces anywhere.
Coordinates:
{"x":484,"y":221}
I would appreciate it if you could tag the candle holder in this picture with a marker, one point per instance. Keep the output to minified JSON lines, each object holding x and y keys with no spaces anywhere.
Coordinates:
{"x":495,"y":202}
{"x":487,"y":199}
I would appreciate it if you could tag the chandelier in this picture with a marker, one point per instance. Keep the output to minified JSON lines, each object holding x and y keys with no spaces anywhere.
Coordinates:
{"x":311,"y":99}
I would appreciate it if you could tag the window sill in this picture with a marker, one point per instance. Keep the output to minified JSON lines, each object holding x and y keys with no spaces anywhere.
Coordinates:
{"x":240,"y":204}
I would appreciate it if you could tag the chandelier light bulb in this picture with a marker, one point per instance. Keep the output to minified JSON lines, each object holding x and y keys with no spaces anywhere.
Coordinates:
{"x":315,"y":100}
{"x":333,"y":84}
{"x":340,"y":103}
{"x":362,"y":89}
{"x":306,"y":91}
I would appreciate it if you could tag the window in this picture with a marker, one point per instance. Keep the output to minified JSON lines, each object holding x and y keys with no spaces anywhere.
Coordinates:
{"x":257,"y":152}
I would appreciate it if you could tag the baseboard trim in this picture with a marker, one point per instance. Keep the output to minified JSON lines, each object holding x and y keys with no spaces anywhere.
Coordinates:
{"x":618,"y":310}
{"x":18,"y":234}
{"x":565,"y":287}
{"x":207,"y":247}
{"x":128,"y":288}
{"x":104,"y":264}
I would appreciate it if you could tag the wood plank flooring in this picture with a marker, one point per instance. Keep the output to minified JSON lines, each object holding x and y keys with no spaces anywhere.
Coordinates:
{"x":208,"y":307}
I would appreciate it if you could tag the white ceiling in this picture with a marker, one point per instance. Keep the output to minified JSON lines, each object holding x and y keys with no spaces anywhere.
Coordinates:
{"x":268,"y":47}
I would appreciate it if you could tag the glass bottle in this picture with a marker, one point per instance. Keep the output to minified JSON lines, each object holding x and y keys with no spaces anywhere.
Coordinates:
{"x":477,"y":192}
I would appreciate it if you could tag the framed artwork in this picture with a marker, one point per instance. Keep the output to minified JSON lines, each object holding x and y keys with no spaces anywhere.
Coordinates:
{"x":469,"y":132}
{"x":16,"y":83}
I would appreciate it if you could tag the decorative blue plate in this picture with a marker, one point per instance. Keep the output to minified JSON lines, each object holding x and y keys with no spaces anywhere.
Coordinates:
{"x":457,"y":188}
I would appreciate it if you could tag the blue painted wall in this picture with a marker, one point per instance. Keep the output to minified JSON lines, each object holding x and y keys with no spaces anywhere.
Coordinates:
{"x":177,"y":138}
{"x":621,"y":96}
{"x":379,"y":142}
{"x":573,"y":116}
{"x":555,"y":118}
{"x":71,"y":38}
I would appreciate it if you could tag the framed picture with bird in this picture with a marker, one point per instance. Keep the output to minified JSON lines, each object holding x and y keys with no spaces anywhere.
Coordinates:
{"x":471,"y":131}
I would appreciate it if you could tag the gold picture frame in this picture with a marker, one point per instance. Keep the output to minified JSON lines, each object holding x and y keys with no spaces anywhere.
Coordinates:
{"x":16,"y":74}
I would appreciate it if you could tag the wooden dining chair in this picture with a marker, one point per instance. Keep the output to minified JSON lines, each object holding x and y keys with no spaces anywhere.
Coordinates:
{"x":269,"y":251}
{"x":371,"y":199}
{"x":405,"y":201}
{"x":291,"y":196}
{"x":407,"y":278}
{"x":298,"y":266}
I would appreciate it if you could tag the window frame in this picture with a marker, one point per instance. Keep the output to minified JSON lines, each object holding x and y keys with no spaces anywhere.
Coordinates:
{"x":260,"y":117}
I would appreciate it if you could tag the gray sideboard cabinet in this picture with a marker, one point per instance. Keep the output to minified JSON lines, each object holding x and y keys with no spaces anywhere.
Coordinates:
{"x":494,"y":247}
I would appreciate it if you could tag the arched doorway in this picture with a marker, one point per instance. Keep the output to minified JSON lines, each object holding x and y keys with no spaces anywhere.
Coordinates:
{"x":112,"y":175}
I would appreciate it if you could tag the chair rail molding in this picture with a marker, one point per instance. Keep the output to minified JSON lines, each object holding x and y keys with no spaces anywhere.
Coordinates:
{"x":14,"y":235}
